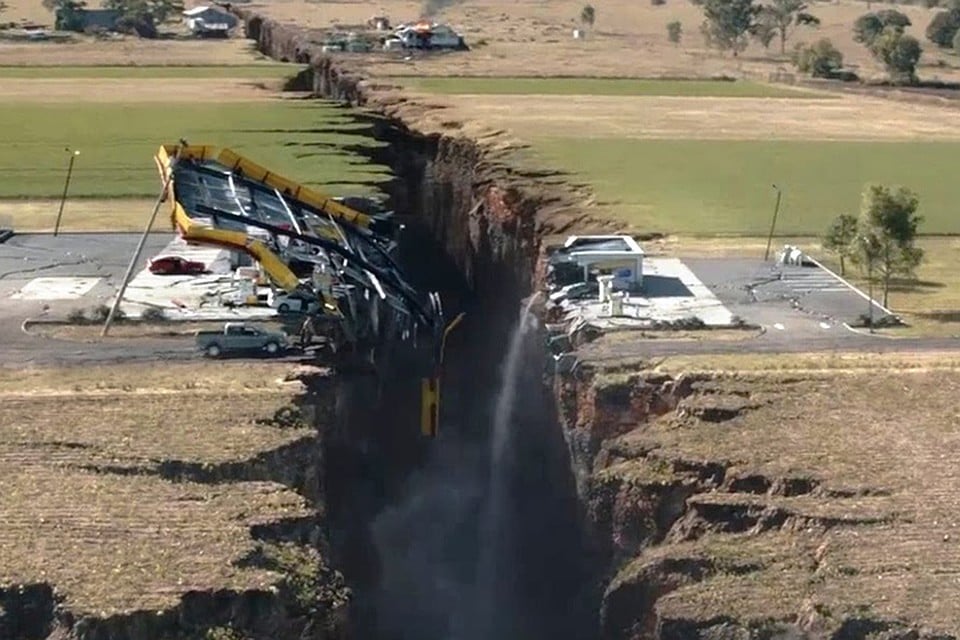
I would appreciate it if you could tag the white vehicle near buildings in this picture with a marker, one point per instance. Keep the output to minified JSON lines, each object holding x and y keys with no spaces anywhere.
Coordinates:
{"x":291,"y":303}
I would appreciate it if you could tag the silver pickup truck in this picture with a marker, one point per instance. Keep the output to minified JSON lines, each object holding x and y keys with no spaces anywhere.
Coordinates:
{"x":238,"y":337}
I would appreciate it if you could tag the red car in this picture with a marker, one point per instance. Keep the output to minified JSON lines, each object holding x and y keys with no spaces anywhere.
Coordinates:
{"x":176,"y":266}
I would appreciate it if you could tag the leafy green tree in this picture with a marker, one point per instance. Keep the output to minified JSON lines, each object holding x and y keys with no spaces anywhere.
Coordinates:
{"x":784,"y":16}
{"x":588,"y":15}
{"x":840,"y":238}
{"x":821,"y":60}
{"x":727,"y":23}
{"x":869,"y":26}
{"x":763,"y":30}
{"x":66,"y":13}
{"x":889,"y":224}
{"x":899,"y":53}
{"x":144,"y":16}
{"x":674,"y":31}
{"x":944,"y":27}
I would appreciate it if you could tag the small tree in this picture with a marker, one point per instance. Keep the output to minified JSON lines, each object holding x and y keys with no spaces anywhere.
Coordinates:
{"x":889,"y":223}
{"x":674,"y":31}
{"x":144,"y":16}
{"x":727,"y":23}
{"x":840,"y":238}
{"x":821,"y":60}
{"x":944,"y":27}
{"x":66,"y":13}
{"x":899,"y":53}
{"x":784,"y":16}
{"x":588,"y":15}
{"x":869,"y":26}
{"x":764,"y":31}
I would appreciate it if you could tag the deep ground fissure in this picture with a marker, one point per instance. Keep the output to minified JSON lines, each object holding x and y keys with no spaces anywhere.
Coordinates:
{"x":406,"y":515}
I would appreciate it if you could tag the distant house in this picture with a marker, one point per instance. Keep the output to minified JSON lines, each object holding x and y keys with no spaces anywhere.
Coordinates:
{"x":87,"y":20}
{"x":208,"y":22}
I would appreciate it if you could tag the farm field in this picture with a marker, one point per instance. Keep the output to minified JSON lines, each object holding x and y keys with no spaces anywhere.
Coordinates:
{"x":263,"y":70}
{"x":117,"y":141}
{"x":98,"y":511}
{"x":710,"y":186}
{"x":597,"y":87}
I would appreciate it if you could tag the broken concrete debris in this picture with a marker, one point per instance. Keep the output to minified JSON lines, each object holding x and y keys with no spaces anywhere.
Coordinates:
{"x":422,"y":35}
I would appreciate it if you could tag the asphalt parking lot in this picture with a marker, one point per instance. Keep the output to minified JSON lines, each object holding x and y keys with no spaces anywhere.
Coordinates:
{"x":799,"y":300}
{"x":45,"y":275}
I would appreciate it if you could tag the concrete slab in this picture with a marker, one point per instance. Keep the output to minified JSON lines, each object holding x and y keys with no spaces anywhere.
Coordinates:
{"x":671,"y":292}
{"x":57,"y":288}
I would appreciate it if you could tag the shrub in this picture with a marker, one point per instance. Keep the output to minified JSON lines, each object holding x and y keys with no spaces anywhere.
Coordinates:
{"x":674,"y":31}
{"x":153,"y":314}
{"x":101,"y":312}
{"x":899,"y":53}
{"x":658,"y":3}
{"x":956,"y":41}
{"x":943,"y":28}
{"x":821,"y":60}
{"x":77,"y":316}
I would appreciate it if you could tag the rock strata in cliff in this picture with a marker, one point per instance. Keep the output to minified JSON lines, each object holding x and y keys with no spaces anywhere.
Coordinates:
{"x":741,"y":506}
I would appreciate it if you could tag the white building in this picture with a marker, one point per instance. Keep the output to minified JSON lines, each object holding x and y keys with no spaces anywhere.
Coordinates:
{"x":206,"y":21}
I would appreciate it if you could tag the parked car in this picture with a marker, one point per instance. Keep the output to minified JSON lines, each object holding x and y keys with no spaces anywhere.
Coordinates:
{"x":175,"y":266}
{"x":240,"y":338}
{"x":292,"y":303}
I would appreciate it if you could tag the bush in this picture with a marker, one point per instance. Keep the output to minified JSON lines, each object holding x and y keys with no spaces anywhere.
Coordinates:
{"x":821,"y":60}
{"x":870,"y":26}
{"x":77,"y":316}
{"x":101,"y":312}
{"x":658,"y":3}
{"x":674,"y":31}
{"x":153,"y":314}
{"x":956,"y":41}
{"x":943,"y":28}
{"x":899,"y":53}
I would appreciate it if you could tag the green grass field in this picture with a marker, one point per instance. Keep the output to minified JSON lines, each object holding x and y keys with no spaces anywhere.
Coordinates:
{"x":704,"y":187}
{"x":600,"y":87}
{"x":266,"y":70}
{"x":302,"y":140}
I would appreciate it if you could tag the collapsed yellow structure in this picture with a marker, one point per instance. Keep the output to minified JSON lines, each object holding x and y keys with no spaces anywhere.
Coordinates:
{"x":220,"y":198}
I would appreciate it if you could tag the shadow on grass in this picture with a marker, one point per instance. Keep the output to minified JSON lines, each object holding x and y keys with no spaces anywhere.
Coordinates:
{"x":940,"y":316}
{"x":902,"y":285}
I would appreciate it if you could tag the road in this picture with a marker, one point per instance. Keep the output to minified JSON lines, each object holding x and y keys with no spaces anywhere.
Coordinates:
{"x":101,"y":259}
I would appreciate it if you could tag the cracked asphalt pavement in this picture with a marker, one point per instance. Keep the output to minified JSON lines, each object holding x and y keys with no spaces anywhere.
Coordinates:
{"x":72,"y":255}
{"x":802,"y":310}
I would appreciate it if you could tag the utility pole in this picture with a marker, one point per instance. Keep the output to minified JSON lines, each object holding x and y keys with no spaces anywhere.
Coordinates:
{"x":773,"y":225}
{"x":143,"y":241}
{"x":66,"y":186}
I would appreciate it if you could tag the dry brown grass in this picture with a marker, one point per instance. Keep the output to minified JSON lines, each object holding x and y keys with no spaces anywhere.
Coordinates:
{"x":123,"y":51}
{"x":702,"y":118}
{"x":109,"y":90}
{"x":877,"y":535}
{"x":78,"y":215}
{"x":531,"y":37}
{"x":113,"y":543}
